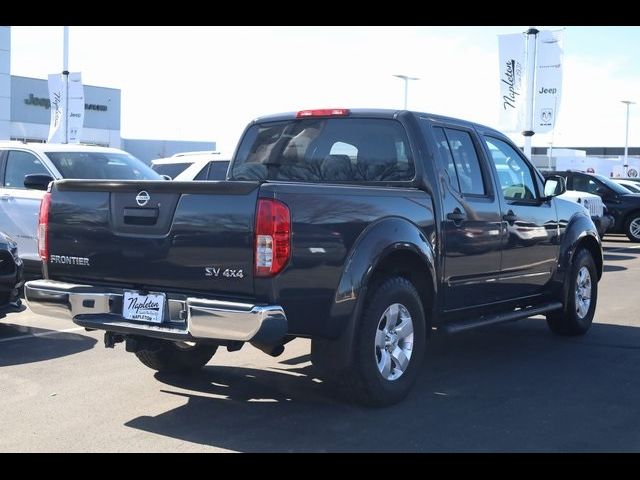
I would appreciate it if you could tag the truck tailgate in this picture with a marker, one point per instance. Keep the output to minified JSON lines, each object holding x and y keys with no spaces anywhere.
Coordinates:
{"x":155,"y":234}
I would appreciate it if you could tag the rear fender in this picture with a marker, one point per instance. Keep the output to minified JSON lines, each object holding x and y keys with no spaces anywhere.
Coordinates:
{"x":379,"y":240}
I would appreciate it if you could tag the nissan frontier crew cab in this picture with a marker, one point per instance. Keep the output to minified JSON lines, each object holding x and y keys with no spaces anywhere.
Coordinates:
{"x":363,"y":230}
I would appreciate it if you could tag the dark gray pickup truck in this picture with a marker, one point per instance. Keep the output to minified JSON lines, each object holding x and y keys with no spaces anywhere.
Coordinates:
{"x":364,"y":230}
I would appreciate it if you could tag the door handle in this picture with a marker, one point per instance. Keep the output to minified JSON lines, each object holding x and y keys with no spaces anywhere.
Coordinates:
{"x":5,"y":197}
{"x":510,"y":217}
{"x":456,"y":216}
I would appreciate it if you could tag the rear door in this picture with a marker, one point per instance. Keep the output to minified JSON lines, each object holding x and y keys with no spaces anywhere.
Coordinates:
{"x":531,"y":249}
{"x":471,"y":225}
{"x":19,"y":206}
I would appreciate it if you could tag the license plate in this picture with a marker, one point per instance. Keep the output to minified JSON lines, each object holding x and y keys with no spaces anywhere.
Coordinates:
{"x":143,"y":308}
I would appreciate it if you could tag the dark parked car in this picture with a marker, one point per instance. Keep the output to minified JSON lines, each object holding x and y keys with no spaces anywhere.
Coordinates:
{"x":10,"y":272}
{"x":622,"y":205}
{"x":362,"y":230}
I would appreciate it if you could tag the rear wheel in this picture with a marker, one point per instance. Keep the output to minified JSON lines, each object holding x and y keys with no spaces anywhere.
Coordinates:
{"x":389,"y":346}
{"x":578,"y":313}
{"x":632,"y":227}
{"x":168,"y":356}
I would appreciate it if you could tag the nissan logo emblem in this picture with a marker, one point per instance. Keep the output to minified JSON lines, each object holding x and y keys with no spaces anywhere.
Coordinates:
{"x":142,"y":198}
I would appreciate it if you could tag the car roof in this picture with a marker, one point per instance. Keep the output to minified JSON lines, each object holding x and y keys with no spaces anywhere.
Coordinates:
{"x":57,"y":147}
{"x":383,"y":113}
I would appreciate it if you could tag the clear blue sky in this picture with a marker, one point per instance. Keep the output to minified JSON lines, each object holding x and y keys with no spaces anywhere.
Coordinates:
{"x":206,"y":83}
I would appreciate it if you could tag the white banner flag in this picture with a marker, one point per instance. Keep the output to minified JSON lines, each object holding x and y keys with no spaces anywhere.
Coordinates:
{"x":76,"y":108}
{"x":75,"y":114}
{"x":548,"y":80}
{"x":512,"y":81}
{"x":57,"y":98}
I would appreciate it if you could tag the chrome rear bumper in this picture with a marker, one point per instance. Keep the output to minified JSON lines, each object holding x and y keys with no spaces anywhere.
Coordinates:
{"x":186,"y":318}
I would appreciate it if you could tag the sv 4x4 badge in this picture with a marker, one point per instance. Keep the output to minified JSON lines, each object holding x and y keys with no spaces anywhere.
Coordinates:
{"x":227,"y":272}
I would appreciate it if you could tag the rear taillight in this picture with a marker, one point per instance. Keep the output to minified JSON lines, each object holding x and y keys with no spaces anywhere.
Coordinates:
{"x":43,"y":227}
{"x":272,"y":237}
{"x":324,"y":112}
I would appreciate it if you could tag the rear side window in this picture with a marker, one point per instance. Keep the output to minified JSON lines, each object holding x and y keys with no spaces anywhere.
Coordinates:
{"x":171,"y":169}
{"x":466,"y":162}
{"x":218,"y":170}
{"x":325,"y":150}
{"x":202,"y":174}
{"x":460,"y":160}
{"x":445,"y":154}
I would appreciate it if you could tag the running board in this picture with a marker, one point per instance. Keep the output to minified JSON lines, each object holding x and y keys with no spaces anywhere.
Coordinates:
{"x":462,"y":325}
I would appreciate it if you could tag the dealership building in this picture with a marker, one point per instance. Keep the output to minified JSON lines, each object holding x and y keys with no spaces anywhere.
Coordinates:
{"x":25,"y":113}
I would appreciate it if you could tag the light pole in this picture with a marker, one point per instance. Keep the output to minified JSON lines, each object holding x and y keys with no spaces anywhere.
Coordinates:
{"x":406,"y":86}
{"x":626,"y":138}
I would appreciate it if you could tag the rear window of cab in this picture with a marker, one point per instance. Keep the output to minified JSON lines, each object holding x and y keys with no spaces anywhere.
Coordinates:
{"x":352,"y":150}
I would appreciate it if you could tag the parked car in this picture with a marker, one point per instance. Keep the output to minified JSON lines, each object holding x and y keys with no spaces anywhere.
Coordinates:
{"x":632,"y":186}
{"x":46,"y":162}
{"x":193,"y":166}
{"x":621,"y":204}
{"x":10,"y":272}
{"x":361,"y":230}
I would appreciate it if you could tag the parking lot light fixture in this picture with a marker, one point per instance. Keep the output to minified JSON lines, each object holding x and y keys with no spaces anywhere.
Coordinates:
{"x":626,"y":137}
{"x":406,"y":86}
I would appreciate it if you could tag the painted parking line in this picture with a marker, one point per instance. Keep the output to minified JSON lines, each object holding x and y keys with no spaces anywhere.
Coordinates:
{"x":607,"y":249}
{"x":40,"y":334}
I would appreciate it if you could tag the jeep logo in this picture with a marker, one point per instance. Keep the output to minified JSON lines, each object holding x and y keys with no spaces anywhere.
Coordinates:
{"x":552,"y":91}
{"x":142,"y":198}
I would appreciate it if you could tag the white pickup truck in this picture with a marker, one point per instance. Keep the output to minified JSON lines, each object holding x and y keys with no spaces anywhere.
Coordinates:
{"x":594,"y":205}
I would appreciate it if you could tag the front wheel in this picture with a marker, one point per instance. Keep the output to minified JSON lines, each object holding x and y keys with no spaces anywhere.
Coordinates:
{"x":577,"y":315}
{"x":632,"y":228}
{"x":168,"y":356}
{"x":389,"y":345}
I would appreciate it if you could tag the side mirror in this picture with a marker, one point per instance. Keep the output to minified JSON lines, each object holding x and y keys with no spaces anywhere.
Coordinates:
{"x":603,"y":192}
{"x":167,"y":177}
{"x":554,"y":185}
{"x":37,"y":181}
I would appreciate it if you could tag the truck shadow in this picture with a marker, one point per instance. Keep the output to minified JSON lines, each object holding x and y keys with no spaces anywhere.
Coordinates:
{"x":613,"y":268}
{"x":511,"y":387}
{"x":19,"y":344}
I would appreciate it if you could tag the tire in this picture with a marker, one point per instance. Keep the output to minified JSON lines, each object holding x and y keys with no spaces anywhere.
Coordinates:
{"x":167,"y":356}
{"x":632,"y":227}
{"x":575,"y":319}
{"x":376,"y":376}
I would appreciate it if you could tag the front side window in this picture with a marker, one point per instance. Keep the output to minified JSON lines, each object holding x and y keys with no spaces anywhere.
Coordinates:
{"x":325,"y":150}
{"x":101,"y":165}
{"x":514,"y":174}
{"x":20,"y":164}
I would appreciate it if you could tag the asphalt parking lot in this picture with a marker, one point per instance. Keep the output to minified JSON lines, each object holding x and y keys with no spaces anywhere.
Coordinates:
{"x":508,"y":388}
